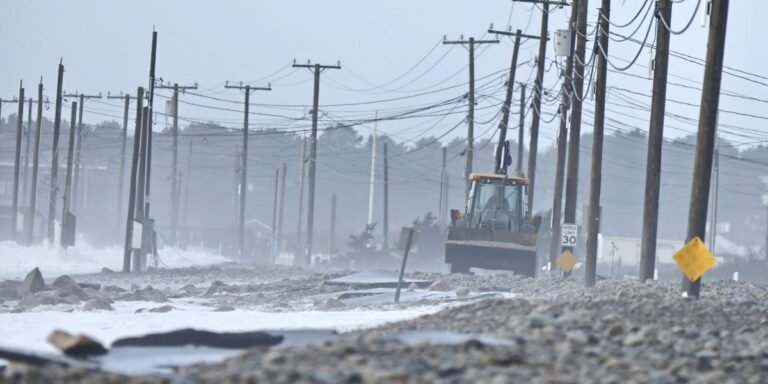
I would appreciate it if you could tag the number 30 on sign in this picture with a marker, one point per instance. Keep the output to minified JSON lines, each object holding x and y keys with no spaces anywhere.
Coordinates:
{"x":568,"y":235}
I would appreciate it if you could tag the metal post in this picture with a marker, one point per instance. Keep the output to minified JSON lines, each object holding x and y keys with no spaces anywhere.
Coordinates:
{"x":402,"y":266}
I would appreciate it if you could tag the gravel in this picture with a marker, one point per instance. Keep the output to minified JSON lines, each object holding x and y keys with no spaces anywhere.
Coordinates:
{"x":554,"y":331}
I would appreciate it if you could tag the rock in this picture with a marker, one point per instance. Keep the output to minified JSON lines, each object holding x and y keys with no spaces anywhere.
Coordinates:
{"x":106,"y":270}
{"x":72,"y":292}
{"x":162,"y":309}
{"x":413,"y":287}
{"x":577,"y":337}
{"x":93,"y":286}
{"x":63,"y":282}
{"x":97,"y":305}
{"x":615,"y":330}
{"x":462,"y":292}
{"x":224,"y":308}
{"x":146,"y":294}
{"x":189,"y":289}
{"x":76,"y":345}
{"x":440,"y":286}
{"x":33,"y":283}
{"x":216,"y":287}
{"x":633,"y":339}
{"x":10,"y":289}
{"x":331,"y":303}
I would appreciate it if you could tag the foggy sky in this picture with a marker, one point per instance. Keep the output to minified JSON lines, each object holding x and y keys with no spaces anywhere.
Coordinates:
{"x":105,"y":47}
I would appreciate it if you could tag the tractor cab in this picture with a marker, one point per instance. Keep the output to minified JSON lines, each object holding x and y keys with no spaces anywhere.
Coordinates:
{"x":496,"y":202}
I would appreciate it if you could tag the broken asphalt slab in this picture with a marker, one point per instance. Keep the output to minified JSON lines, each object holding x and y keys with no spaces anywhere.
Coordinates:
{"x":376,"y":279}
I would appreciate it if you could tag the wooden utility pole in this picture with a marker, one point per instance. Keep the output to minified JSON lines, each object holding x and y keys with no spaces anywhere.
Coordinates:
{"x":123,"y":141}
{"x":316,"y":69}
{"x":186,"y":192}
{"x":247,"y":89}
{"x":67,"y":223}
{"x":441,"y":206}
{"x":469,"y":153}
{"x":25,"y":169}
{"x":577,"y":91}
{"x":372,"y":182}
{"x":298,"y":255}
{"x":133,"y":190}
{"x":148,"y":154}
{"x":521,"y":130}
{"x":17,"y":163}
{"x":280,"y":216}
{"x":562,"y":143}
{"x":705,"y":142}
{"x":715,"y":195}
{"x":533,"y":148}
{"x":175,"y":157}
{"x":597,"y":145}
{"x":274,"y":216}
{"x":53,"y":195}
{"x":78,"y":144}
{"x":502,"y":162}
{"x":29,"y":225}
{"x":655,"y":140}
{"x":140,"y":211}
{"x":385,"y":227}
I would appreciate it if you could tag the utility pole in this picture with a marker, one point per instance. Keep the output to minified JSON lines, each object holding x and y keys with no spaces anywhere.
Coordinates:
{"x":25,"y":170}
{"x":140,"y":212}
{"x":78,"y":143}
{"x":521,"y":130}
{"x":29,"y":225}
{"x":137,"y":140}
{"x":123,"y":141}
{"x":577,"y":90}
{"x":537,"y":91}
{"x":562,"y":143}
{"x":655,"y":140}
{"x":175,"y":156}
{"x":471,"y":105}
{"x":247,"y":89}
{"x":715,"y":195}
{"x":441,"y":215}
{"x":17,"y":163}
{"x":502,"y":162}
{"x":297,"y":257}
{"x":597,"y":145}
{"x":281,"y":209}
{"x":186,"y":192}
{"x":316,"y":69}
{"x":53,"y":195}
{"x":333,"y":224}
{"x":274,"y":216}
{"x":385,"y":239}
{"x":705,"y":142}
{"x":67,"y":219}
{"x":372,"y":183}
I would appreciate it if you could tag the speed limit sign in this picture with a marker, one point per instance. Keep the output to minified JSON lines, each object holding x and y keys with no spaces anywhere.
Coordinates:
{"x":568,"y":235}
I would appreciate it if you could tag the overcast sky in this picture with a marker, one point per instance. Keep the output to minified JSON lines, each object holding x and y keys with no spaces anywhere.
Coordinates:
{"x":105,"y":46}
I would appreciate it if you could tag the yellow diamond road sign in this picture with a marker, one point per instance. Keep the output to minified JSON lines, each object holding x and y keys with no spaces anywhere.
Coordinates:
{"x":566,"y":261}
{"x":694,"y":259}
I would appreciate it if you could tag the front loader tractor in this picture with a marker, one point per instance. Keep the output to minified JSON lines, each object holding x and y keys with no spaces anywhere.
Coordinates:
{"x":495,"y":231}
